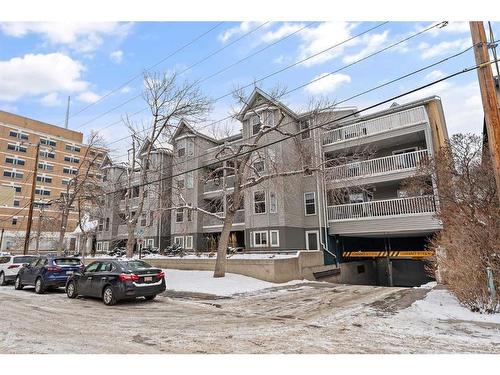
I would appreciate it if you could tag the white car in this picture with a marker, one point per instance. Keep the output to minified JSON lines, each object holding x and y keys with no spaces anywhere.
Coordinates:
{"x":10,"y":266}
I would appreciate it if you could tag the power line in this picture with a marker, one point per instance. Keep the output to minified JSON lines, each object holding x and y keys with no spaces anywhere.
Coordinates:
{"x":149,"y":68}
{"x":219,"y":50}
{"x":392,"y":99}
{"x":335,"y":71}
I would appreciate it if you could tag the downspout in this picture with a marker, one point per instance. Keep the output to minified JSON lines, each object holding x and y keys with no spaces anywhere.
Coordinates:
{"x":160,"y":196}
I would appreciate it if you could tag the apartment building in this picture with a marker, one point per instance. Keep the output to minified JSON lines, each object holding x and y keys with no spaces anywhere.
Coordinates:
{"x":61,"y":153}
{"x":153,"y":227}
{"x":354,"y":209}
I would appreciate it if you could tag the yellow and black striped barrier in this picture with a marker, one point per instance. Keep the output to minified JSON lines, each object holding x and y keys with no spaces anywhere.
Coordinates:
{"x":392,"y":254}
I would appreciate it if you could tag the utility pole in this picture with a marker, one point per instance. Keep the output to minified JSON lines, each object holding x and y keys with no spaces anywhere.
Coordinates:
{"x":488,"y":96}
{"x":32,"y":199}
{"x":1,"y":239}
{"x":39,"y":227}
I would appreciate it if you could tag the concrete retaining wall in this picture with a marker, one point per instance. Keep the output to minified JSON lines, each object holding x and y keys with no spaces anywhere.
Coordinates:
{"x":277,"y":270}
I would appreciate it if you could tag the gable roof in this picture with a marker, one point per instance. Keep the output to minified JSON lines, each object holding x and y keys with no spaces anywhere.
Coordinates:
{"x":253,"y":97}
{"x":183,"y":124}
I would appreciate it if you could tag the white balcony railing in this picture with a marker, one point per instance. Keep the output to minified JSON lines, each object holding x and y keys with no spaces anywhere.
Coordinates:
{"x":389,"y":207}
{"x":217,"y":184}
{"x":401,"y":119}
{"x":386,"y":164}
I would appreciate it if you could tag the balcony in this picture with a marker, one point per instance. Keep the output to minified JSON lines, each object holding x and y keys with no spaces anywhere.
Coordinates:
{"x":407,"y":118}
{"x":212,"y":224}
{"x":216,"y":185}
{"x":387,"y":165}
{"x":391,"y":216}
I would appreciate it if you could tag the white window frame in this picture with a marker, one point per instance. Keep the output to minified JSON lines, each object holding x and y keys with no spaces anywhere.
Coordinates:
{"x":315,"y":205}
{"x":188,"y":240}
{"x":177,"y":212}
{"x":189,"y":147}
{"x":99,"y":246}
{"x":150,"y":242}
{"x":317,"y":239}
{"x":260,"y":232}
{"x":252,"y":124}
{"x":273,"y":210}
{"x":265,"y":202}
{"x":179,"y":240}
{"x":189,"y":180}
{"x":105,"y":246}
{"x":277,"y":244}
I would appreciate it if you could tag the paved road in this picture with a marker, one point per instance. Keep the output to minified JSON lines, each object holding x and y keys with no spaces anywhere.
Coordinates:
{"x":304,"y":318}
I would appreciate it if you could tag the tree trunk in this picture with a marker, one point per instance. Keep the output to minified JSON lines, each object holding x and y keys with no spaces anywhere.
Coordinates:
{"x":130,"y":240}
{"x":62,"y":232}
{"x":221,"y":261}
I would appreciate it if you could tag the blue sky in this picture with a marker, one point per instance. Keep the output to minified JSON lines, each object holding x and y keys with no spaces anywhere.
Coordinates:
{"x":42,"y":63}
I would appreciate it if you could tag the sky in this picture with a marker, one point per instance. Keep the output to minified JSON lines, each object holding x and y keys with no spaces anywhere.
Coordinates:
{"x":100,"y":66}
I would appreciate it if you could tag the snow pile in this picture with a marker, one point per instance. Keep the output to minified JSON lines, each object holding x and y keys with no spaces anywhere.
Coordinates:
{"x":204,"y":282}
{"x":441,"y":304}
{"x":429,"y":285}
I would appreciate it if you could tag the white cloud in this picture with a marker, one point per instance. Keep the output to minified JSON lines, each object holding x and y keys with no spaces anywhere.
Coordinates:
{"x":282,"y":31}
{"x":451,"y":28}
{"x":125,"y":89}
{"x":8,"y":107}
{"x":88,"y":97}
{"x":371,"y":43}
{"x":435,"y":74}
{"x":242,"y":28}
{"x":116,"y":56}
{"x":327,"y":84}
{"x":33,"y":75}
{"x":443,"y":48}
{"x":51,"y":100}
{"x":80,"y":36}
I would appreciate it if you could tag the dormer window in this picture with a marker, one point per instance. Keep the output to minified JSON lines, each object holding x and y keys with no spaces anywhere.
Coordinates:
{"x":304,"y":126}
{"x":255,"y":123}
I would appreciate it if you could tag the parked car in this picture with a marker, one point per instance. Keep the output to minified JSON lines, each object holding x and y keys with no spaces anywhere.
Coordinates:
{"x":115,"y":280}
{"x":47,"y":272}
{"x":10,"y":266}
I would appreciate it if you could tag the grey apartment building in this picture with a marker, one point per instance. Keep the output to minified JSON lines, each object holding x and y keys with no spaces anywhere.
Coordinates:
{"x":352,"y":205}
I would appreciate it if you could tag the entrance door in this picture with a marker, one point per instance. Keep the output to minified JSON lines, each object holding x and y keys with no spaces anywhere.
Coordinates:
{"x":312,"y":240}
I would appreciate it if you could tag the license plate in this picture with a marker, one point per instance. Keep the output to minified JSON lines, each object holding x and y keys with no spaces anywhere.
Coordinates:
{"x":69,"y":272}
{"x":148,"y":278}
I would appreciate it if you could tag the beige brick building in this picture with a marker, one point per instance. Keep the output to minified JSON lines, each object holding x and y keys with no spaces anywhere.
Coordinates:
{"x":61,"y":153}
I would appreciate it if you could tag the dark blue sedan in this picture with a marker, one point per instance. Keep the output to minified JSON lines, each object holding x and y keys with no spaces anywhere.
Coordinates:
{"x":47,"y":272}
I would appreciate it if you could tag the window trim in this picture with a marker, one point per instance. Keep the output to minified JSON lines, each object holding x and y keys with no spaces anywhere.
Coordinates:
{"x":177,"y":212}
{"x":305,"y":204}
{"x":277,"y":244}
{"x":186,"y":242}
{"x":317,"y":239}
{"x":254,"y":233}
{"x":181,"y":242}
{"x":265,"y":202}
{"x":271,"y":211}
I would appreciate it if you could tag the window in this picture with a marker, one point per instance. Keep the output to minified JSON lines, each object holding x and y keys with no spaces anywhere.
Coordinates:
{"x":44,"y":178}
{"x":310,"y":203}
{"x":47,"y":154}
{"x":259,"y":202}
{"x":105,"y":246}
{"x":13,"y":174}
{"x":48,"y":142}
{"x":273,"y":203}
{"x":71,"y":159}
{"x":179,"y":241}
{"x":18,"y":189}
{"x":16,"y":202}
{"x":69,"y":170}
{"x":190,"y":147}
{"x":181,"y":151}
{"x":260,"y":239}
{"x":180,"y":184}
{"x":100,"y":225}
{"x":189,"y":180}
{"x":268,"y":118}
{"x":259,"y":166}
{"x":150,"y":242}
{"x":312,"y":240}
{"x":106,"y":228}
{"x":274,"y":237}
{"x":42,"y":191}
{"x":45,"y":166}
{"x":143,"y":220}
{"x":189,"y":213}
{"x":189,"y":242}
{"x":14,"y":160}
{"x":135,"y":191}
{"x":14,"y":147}
{"x":65,"y":181}
{"x":305,"y":124}
{"x":92,"y":267}
{"x":14,"y":220}
{"x":72,"y":148}
{"x":179,"y":215}
{"x":18,"y":134}
{"x":255,"y":123}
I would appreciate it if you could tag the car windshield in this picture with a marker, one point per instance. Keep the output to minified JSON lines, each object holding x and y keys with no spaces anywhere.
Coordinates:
{"x":21,"y":260}
{"x":67,"y":262}
{"x":136,"y":265}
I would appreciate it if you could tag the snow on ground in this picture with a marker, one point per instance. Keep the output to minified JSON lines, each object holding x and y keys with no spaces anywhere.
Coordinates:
{"x":441,"y":304}
{"x":204,"y":282}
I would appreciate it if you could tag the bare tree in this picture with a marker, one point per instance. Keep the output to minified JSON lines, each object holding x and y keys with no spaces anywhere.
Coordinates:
{"x":83,"y":186}
{"x":468,"y":208}
{"x":169,"y":101}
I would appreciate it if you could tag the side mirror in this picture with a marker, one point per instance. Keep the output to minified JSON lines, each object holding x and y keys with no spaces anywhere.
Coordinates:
{"x":27,"y":265}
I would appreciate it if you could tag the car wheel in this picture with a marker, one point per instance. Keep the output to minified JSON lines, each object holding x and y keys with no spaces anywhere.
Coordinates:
{"x":71,"y":290}
{"x":39,"y":289}
{"x":17,"y":284}
{"x":2,"y":279}
{"x":150,"y":298}
{"x":108,"y":296}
